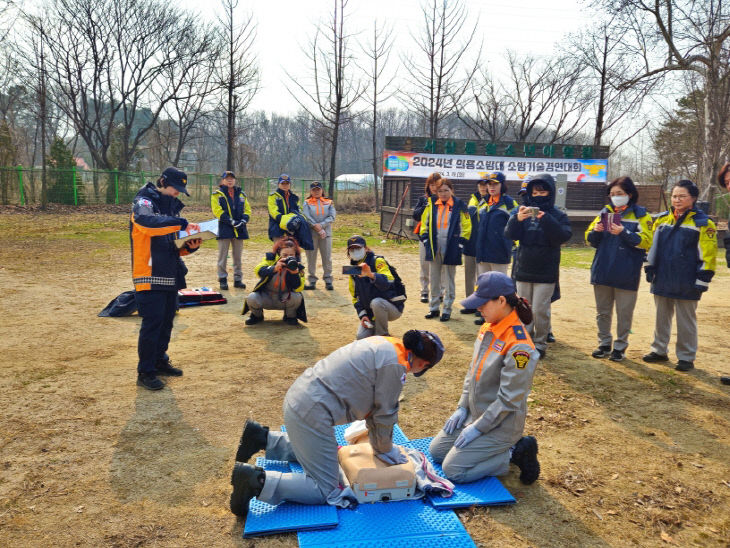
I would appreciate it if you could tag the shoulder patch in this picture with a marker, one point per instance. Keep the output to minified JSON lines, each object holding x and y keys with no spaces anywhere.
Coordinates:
{"x":521,"y":358}
{"x":498,"y":345}
{"x":519,"y":332}
{"x":144,"y":202}
{"x":710,"y":232}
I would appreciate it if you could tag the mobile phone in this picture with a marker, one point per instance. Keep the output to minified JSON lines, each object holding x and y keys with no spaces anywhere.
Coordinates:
{"x":534,"y":211}
{"x":610,"y":218}
{"x":351,"y":270}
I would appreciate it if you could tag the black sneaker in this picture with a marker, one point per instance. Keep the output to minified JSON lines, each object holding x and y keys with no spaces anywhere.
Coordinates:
{"x":328,"y":286}
{"x":253,"y":320}
{"x":524,"y":455}
{"x":479,"y":321}
{"x":616,"y":355}
{"x":445,"y":317}
{"x":542,"y":353}
{"x":150,"y":382}
{"x":653,"y":357}
{"x":164,"y":367}
{"x":309,"y":287}
{"x":467,"y":311}
{"x":684,"y":365}
{"x":601,"y":352}
{"x":239,"y":284}
{"x":247,"y":482}
{"x":432,"y":314}
{"x":725,"y":379}
{"x":550,"y":337}
{"x":424,"y":298}
{"x":253,"y":440}
{"x":291,"y":321}
{"x":223,"y":282}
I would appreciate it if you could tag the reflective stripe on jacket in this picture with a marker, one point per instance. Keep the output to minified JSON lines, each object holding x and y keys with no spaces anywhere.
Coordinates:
{"x":361,"y":380}
{"x":619,"y":257}
{"x":459,"y":230}
{"x":363,"y":290}
{"x":319,"y":211}
{"x":681,"y":261}
{"x":492,"y":246}
{"x":499,"y":378}
{"x":230,"y":210}
{"x":280,"y":204}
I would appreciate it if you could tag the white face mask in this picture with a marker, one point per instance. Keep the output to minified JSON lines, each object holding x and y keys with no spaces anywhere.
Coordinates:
{"x":619,"y":201}
{"x":357,"y":254}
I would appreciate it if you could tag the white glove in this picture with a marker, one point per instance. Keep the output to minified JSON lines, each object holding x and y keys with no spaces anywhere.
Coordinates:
{"x":468,"y":435}
{"x":394,"y":456}
{"x":456,"y":420}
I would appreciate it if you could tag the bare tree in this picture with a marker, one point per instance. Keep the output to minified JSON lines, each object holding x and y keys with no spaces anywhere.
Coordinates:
{"x":239,"y":74}
{"x":488,"y":114}
{"x":441,"y":76}
{"x":378,"y":53}
{"x":109,"y":69}
{"x":683,"y":35}
{"x":334,"y":91}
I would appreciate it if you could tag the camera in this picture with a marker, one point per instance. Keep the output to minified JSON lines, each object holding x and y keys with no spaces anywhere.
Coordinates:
{"x":292,"y":263}
{"x":534,"y":211}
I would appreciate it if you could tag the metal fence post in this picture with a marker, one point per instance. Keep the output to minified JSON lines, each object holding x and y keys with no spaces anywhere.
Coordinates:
{"x":20,"y":184}
{"x":76,"y":192}
{"x":116,"y":186}
{"x":210,"y":183}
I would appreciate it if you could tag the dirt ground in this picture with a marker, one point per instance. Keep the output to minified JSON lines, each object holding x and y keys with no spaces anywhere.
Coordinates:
{"x":631,"y":453}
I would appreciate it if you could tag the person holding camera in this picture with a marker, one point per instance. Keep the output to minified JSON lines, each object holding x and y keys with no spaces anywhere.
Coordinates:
{"x":681,"y":264}
{"x":362,"y":380}
{"x":233,"y":211}
{"x":320,"y":214}
{"x":158,"y":271}
{"x":540,"y":229}
{"x":373,"y":288}
{"x":445,"y":228}
{"x":281,"y":280}
{"x":621,"y":234}
{"x":484,"y":434}
{"x":423,"y":203}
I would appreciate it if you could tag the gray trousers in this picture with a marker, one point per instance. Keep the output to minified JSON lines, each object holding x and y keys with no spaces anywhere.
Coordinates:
{"x":237,"y":246}
{"x":625,"y":301}
{"x":383,"y":311}
{"x":424,"y":276}
{"x":442,"y":275}
{"x":324,"y":247}
{"x":312,"y":444}
{"x":470,"y":274}
{"x":686,"y":310}
{"x":538,"y":296}
{"x":489,"y":267}
{"x":485,"y":456}
{"x":258,"y":301}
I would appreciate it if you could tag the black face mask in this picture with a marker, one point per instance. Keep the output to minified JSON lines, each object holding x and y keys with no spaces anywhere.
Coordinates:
{"x":543,"y":202}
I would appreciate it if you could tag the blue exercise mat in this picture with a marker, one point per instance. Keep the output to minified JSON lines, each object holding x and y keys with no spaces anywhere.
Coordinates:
{"x":265,"y":519}
{"x":391,"y":524}
{"x":484,"y":492}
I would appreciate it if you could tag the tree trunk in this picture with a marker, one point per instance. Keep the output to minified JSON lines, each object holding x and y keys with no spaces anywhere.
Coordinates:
{"x":376,"y":160}
{"x":601,"y":97}
{"x":333,"y":154}
{"x":712,"y":135}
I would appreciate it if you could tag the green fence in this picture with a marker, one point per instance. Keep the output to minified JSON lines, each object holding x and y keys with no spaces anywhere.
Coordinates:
{"x":22,"y":186}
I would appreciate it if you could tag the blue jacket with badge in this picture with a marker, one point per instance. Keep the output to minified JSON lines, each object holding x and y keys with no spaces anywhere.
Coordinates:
{"x":231,"y":211}
{"x":682,"y":257}
{"x":492,"y":245}
{"x":619,"y":257}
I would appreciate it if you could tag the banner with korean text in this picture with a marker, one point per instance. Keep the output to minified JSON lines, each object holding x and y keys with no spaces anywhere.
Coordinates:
{"x":418,"y":164}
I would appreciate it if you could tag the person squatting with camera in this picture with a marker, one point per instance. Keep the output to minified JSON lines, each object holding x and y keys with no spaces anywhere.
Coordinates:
{"x":376,"y":294}
{"x":281,"y":280}
{"x":158,"y":271}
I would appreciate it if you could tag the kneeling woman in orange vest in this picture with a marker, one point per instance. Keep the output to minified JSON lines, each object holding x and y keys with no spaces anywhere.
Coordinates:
{"x":361,"y":380}
{"x":484,"y":434}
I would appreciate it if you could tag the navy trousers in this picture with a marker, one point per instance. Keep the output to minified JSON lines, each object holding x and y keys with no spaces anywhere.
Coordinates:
{"x":157,"y":309}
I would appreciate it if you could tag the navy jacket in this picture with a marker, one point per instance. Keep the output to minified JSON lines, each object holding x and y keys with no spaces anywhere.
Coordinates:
{"x":153,"y":227}
{"x":364,"y":290}
{"x":278,"y":207}
{"x":492,"y":246}
{"x":230,"y":211}
{"x":538,"y":254}
{"x":619,"y":257}
{"x":457,"y":235}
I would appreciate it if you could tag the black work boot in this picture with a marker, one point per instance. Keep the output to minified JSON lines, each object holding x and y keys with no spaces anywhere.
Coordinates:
{"x":150,"y":382}
{"x":253,"y":440}
{"x":601,"y":352}
{"x":164,"y":367}
{"x":524,"y":455}
{"x":239,"y":284}
{"x":247,"y":482}
{"x":223,"y":283}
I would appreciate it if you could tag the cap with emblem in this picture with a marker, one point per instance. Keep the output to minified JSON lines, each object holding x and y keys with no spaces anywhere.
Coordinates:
{"x":284,"y":178}
{"x":228,"y":174}
{"x":356,"y":241}
{"x":175,"y":178}
{"x":315,"y":184}
{"x":490,"y":285}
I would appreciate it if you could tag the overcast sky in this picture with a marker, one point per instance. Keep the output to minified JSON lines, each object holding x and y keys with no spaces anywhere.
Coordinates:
{"x":284,"y":27}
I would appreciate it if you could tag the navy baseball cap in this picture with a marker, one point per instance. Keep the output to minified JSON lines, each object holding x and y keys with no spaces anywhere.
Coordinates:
{"x":228,"y":174}
{"x":434,"y":338}
{"x":490,"y":285}
{"x":284,"y":178}
{"x":315,"y":184}
{"x":496,"y":176}
{"x":356,"y":241}
{"x":175,"y":178}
